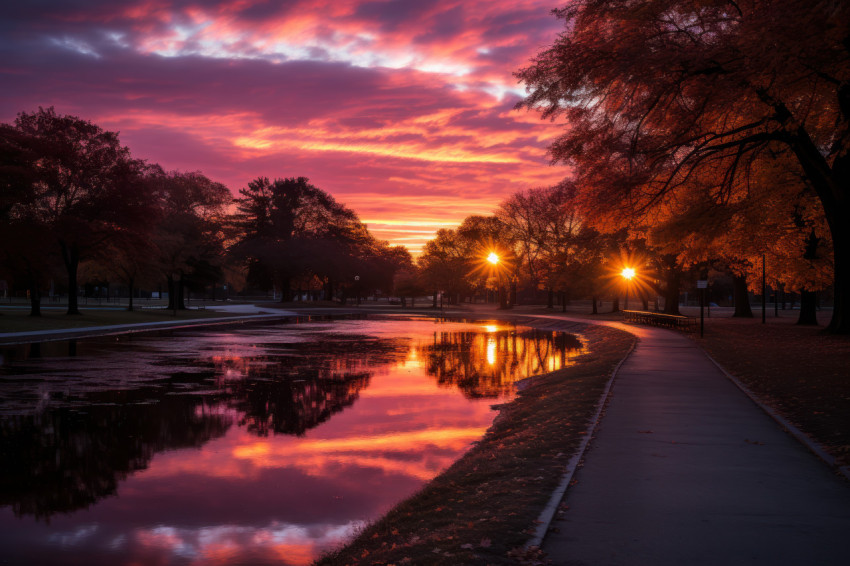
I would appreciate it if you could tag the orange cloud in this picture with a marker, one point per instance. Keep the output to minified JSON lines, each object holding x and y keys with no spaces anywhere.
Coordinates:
{"x":401,"y":110}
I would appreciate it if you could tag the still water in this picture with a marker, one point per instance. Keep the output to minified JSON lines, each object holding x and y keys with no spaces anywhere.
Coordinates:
{"x":256,"y":445}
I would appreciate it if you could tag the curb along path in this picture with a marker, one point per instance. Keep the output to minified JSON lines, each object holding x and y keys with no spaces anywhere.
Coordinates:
{"x":686,"y":469}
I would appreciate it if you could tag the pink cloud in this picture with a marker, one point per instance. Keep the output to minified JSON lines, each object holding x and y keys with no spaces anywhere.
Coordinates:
{"x":402,"y":110}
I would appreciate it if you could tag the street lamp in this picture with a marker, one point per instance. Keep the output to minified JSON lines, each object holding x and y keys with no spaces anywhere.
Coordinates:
{"x":628,"y":274}
{"x":494,"y":259}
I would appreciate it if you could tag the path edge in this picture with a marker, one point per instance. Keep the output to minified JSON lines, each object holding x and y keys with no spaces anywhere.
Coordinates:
{"x":544,"y":521}
{"x":789,"y":427}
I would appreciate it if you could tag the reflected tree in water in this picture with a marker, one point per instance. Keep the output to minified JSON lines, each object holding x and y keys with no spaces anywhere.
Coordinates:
{"x":66,"y":458}
{"x":75,"y":450}
{"x":488,"y":365}
{"x":293,"y":392}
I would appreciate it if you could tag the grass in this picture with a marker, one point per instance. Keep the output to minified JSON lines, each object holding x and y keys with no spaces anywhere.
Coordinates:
{"x":18,"y":319}
{"x":482,"y":510}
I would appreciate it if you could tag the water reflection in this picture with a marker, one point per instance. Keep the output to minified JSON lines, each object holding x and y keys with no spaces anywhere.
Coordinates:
{"x":62,"y":460}
{"x":489,"y":364}
{"x":261,"y":445}
{"x":290,"y":392}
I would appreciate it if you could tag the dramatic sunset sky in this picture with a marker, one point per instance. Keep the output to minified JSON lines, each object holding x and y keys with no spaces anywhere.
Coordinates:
{"x":401,"y":109}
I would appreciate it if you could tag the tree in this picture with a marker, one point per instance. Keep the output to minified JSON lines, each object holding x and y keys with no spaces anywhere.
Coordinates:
{"x":661,"y":92}
{"x":455,"y":261}
{"x":780,"y":220}
{"x":189,"y":230}
{"x":479,"y":236}
{"x":128,"y":258}
{"x":288,"y":228}
{"x":24,"y":241}
{"x":545,"y":225}
{"x":445,"y":264}
{"x":81,"y":186}
{"x":378,"y":264}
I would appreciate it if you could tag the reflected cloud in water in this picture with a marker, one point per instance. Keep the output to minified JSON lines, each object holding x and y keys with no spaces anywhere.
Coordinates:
{"x":258,"y":445}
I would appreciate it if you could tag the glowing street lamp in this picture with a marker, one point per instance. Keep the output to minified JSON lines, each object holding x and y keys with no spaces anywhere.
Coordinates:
{"x":628,"y":274}
{"x":495,"y":259}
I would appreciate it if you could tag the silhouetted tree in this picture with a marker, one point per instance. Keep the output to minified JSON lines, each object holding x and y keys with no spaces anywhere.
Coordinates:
{"x":288,"y":228}
{"x":81,"y":187}
{"x":189,"y":232}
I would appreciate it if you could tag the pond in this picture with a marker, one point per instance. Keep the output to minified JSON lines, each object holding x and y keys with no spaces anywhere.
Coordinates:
{"x":257,"y":444}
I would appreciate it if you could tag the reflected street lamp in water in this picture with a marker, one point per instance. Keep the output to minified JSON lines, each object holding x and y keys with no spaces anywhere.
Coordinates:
{"x":495,"y":260}
{"x":628,"y":274}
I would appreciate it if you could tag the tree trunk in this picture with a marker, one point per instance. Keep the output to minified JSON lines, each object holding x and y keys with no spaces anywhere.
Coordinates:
{"x":563,"y":301}
{"x":330,"y":296}
{"x":808,"y":308}
{"x":180,"y":293}
{"x":741,"y":297}
{"x":35,"y":301}
{"x":71,"y":257}
{"x":840,"y":322}
{"x":550,"y":301}
{"x":832,"y":185}
{"x":595,"y":301}
{"x":130,"y":283}
{"x":172,"y":298}
{"x":671,"y":291}
{"x":615,"y":304}
{"x":284,"y":290}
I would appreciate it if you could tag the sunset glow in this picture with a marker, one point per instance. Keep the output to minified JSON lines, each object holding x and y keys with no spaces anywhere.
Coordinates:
{"x":403,"y":111}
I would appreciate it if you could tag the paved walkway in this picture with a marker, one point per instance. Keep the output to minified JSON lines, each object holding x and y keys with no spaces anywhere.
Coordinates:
{"x":250,"y":312}
{"x":685,"y":469}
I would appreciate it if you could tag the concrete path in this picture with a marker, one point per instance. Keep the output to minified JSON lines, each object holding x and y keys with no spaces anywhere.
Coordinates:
{"x":685,"y":469}
{"x":88,"y":331}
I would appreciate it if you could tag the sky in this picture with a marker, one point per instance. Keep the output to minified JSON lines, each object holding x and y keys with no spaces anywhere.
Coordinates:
{"x":403,"y":110}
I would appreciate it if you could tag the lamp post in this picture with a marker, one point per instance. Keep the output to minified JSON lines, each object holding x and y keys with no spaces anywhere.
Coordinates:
{"x":628,"y":273}
{"x":494,"y":259}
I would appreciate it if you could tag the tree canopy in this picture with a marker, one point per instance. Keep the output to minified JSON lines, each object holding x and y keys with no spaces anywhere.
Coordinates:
{"x":664,"y":96}
{"x":79,"y":185}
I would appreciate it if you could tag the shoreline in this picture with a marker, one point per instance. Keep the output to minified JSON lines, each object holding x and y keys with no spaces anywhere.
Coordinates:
{"x":487,"y":506}
{"x":529,"y":464}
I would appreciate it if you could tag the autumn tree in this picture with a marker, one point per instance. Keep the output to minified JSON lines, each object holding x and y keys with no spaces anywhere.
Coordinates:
{"x":544,"y":225}
{"x":659,"y":93}
{"x":480,"y":236}
{"x":80,"y":187}
{"x":778,"y":221}
{"x":455,"y":261}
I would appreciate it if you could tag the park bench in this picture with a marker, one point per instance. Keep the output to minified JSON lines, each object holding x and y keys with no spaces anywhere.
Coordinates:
{"x":679,"y":322}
